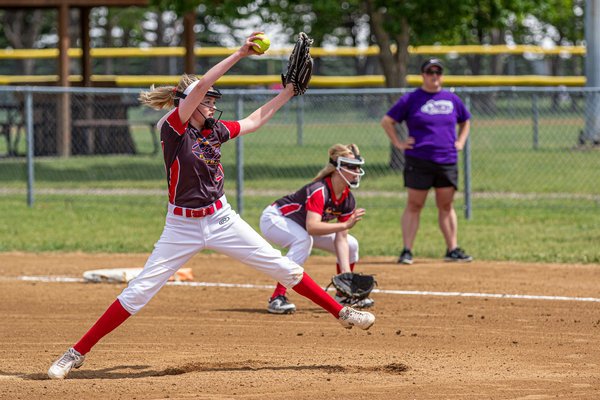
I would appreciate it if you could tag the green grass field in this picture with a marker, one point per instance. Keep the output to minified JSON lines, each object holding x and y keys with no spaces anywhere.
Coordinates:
{"x":529,"y":204}
{"x":519,"y":230}
{"x":502,"y":161}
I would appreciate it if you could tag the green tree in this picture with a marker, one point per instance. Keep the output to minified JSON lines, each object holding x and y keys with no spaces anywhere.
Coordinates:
{"x":489,"y":22}
{"x":180,"y":7}
{"x":562,"y":21}
{"x":22,"y":29}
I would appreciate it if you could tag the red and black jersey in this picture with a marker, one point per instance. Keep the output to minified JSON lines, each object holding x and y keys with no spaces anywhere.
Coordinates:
{"x":193,"y":160}
{"x":320,"y":198}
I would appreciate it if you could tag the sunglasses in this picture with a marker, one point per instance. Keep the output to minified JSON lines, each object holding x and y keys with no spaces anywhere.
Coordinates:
{"x":433,"y":72}
{"x":351,"y":167}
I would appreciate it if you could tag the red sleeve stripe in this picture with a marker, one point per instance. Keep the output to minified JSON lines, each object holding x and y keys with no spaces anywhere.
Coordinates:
{"x":316,"y":201}
{"x":175,"y":122}
{"x":233,"y":127}
{"x":220,"y":177}
{"x":173,"y":180}
{"x":320,"y":190}
{"x":290,"y":209}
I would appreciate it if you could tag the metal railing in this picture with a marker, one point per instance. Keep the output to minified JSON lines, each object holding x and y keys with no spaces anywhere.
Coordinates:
{"x":527,"y":142}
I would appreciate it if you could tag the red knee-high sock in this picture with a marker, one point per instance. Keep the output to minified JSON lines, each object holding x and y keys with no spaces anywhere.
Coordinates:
{"x":114,"y":316}
{"x":309,"y":289}
{"x":339,"y":270}
{"x":279,"y":290}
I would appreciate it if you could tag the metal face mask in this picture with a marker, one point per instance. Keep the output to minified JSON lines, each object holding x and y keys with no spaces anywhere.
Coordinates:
{"x":351,"y":166}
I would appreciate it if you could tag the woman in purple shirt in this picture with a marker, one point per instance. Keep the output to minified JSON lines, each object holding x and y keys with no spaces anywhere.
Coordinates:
{"x":431,"y":115}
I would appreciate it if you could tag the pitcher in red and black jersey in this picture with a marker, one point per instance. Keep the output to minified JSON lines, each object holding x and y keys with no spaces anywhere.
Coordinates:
{"x":198,"y":214}
{"x":303,"y":220}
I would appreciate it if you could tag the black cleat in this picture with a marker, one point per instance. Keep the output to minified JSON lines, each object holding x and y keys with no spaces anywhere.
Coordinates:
{"x":457,"y":255}
{"x":405,"y":257}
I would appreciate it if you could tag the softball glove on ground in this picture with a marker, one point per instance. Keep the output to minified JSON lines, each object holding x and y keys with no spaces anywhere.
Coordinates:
{"x":300,"y":64}
{"x":354,"y":286}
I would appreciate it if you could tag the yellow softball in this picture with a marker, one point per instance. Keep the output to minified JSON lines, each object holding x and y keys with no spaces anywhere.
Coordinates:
{"x":263,"y":42}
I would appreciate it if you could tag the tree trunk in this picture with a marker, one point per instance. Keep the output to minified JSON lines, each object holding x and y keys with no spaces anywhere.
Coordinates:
{"x":555,"y":71}
{"x":497,"y":36}
{"x":386,"y":57}
{"x":161,"y":63}
{"x":21,"y":29}
{"x":108,"y":42}
{"x":189,"y":20}
{"x":394,"y":66}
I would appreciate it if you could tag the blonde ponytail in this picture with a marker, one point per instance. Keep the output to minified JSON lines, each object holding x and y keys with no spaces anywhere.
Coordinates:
{"x":163,"y":97}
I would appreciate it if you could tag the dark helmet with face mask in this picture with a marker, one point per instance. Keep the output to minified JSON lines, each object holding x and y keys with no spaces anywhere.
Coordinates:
{"x":213,"y":92}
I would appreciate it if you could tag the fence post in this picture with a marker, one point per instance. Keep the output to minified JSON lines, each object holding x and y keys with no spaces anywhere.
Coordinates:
{"x":536,"y":117}
{"x":467,"y":168}
{"x":512,"y":102}
{"x":239,"y":156}
{"x":30,"y":146}
{"x":299,"y":120}
{"x":591,"y":133}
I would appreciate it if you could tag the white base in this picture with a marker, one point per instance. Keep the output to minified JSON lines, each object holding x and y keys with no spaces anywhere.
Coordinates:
{"x":124,"y":275}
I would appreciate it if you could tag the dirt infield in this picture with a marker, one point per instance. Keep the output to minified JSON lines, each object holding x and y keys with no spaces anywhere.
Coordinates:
{"x":220,"y":343}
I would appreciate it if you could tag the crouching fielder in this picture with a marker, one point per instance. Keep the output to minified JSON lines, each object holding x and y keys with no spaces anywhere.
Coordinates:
{"x":199,"y":216}
{"x":303,"y":220}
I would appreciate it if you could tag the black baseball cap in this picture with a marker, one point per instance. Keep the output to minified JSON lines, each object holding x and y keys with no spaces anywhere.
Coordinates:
{"x":432,"y":62}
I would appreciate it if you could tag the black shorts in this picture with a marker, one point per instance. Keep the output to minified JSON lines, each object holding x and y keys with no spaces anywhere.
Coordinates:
{"x":424,"y":174}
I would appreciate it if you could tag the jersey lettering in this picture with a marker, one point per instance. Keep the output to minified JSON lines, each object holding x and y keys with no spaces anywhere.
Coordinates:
{"x":193,"y":160}
{"x":206,"y":152}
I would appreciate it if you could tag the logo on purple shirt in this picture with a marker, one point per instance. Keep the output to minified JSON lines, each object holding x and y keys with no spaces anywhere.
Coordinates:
{"x":435,"y":107}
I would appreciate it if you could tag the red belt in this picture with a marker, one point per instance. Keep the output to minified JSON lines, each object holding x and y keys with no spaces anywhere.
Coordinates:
{"x":198,"y":212}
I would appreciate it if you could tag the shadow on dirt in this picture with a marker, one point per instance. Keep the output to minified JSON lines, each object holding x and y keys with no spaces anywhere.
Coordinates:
{"x":144,"y":371}
{"x":394,"y":368}
{"x":106,"y":373}
{"x":264,"y":310}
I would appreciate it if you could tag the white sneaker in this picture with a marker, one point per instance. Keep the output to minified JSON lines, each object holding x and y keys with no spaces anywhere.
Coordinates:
{"x":350,"y":317}
{"x":281,"y":305}
{"x":61,"y":367}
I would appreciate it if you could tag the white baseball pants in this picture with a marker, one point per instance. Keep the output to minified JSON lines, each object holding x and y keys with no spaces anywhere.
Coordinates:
{"x":286,"y":233}
{"x":224,"y":231}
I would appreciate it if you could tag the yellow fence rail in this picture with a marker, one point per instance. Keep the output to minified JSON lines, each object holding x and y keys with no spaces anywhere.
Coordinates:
{"x":317,"y":81}
{"x":316,"y":52}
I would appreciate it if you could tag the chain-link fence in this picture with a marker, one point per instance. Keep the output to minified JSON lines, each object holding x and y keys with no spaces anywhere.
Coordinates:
{"x":524,"y":143}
